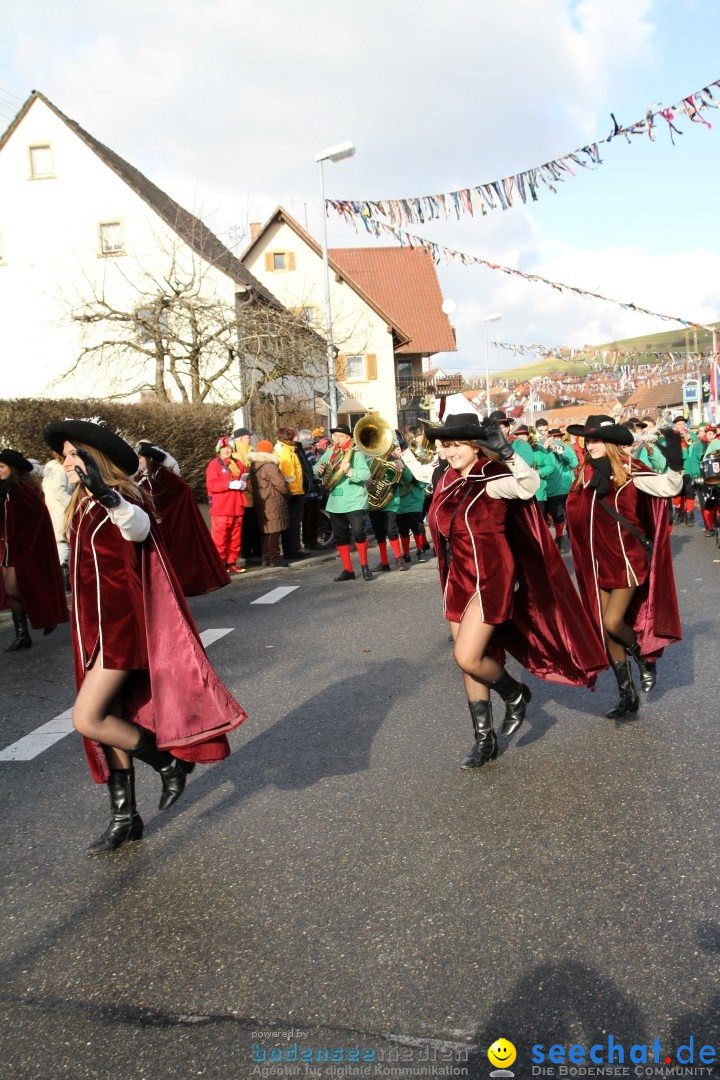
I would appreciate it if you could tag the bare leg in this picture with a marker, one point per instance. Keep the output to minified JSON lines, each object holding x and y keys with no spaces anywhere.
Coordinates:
{"x":98,"y":715}
{"x":472,"y":637}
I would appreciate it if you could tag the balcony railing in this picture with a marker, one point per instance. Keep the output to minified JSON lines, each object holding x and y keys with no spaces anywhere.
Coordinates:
{"x":419,"y":386}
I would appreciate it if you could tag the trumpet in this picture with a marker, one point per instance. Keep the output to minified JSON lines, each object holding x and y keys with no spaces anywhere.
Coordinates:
{"x":375,"y":437}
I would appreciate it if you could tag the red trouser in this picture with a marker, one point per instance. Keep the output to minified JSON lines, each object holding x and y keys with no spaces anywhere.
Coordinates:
{"x":226,"y":534}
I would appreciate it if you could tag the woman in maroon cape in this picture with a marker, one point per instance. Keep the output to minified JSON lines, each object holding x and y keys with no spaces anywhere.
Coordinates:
{"x":193,"y":555}
{"x":31,"y":582}
{"x":145,"y":687}
{"x":624,"y":568}
{"x":505,"y":586}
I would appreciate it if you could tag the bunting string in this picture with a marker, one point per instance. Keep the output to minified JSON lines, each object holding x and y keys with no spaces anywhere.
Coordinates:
{"x":441,"y":251}
{"x":501,"y":194}
{"x":592,"y":355}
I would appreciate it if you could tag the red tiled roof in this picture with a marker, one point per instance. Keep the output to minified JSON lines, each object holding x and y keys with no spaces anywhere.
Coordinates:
{"x":404,"y":283}
{"x":652,"y":398}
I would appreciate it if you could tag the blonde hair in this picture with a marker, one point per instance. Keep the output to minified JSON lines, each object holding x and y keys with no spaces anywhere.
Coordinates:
{"x":114,"y":478}
{"x":620,"y":462}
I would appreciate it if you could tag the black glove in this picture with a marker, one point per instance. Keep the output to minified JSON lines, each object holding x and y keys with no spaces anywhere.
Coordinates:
{"x":93,"y":482}
{"x":672,"y":450}
{"x":494,"y":439}
{"x":402,"y":441}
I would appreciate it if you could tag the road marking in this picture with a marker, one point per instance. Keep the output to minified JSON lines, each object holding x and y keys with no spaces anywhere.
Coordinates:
{"x":275,"y":595}
{"x":44,"y":737}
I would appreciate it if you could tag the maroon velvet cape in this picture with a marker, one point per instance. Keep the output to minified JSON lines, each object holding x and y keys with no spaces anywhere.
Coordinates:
{"x":27,"y":543}
{"x":653,"y":613}
{"x":548,"y":631}
{"x":130,"y":612}
{"x":192,"y":553}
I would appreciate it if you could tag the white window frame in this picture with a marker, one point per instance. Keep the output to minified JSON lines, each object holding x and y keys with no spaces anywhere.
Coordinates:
{"x":349,"y":377}
{"x":279,"y":269}
{"x":111,"y":254}
{"x":309,"y":315}
{"x":32,"y":175}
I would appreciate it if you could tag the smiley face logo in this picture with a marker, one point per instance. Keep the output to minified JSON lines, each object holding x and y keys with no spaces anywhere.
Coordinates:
{"x":502,"y":1054}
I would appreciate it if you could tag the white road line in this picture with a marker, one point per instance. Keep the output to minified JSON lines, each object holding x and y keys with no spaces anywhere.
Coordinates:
{"x":275,"y":595}
{"x":44,"y":737}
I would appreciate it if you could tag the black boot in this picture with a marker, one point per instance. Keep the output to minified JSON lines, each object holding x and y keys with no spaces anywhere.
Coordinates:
{"x":381,"y":568}
{"x":173,"y":771}
{"x":486,"y":744}
{"x":400,"y":565}
{"x":126,"y":825}
{"x":366,"y":572}
{"x":345,"y":575}
{"x":690,"y":517}
{"x":22,"y":634}
{"x":647,"y":668}
{"x":516,"y":696}
{"x":629,"y":700}
{"x":678,"y":516}
{"x":419,"y":555}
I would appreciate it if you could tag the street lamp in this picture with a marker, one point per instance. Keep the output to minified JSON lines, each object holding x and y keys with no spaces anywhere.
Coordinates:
{"x":333,"y":153}
{"x":486,"y":320}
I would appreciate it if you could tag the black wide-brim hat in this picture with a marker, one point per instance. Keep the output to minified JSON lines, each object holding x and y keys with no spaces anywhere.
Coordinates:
{"x":343,"y":428}
{"x":464,"y":427}
{"x":604,"y":428}
{"x":15,"y":460}
{"x":147,"y":449}
{"x":98,"y":435}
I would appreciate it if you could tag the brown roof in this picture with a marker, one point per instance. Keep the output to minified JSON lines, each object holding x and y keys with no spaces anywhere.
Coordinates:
{"x":189,"y":228}
{"x":403,"y":281}
{"x":576,"y":414}
{"x":652,"y":398}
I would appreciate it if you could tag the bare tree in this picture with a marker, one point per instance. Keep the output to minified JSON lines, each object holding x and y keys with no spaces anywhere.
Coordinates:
{"x":175,"y":334}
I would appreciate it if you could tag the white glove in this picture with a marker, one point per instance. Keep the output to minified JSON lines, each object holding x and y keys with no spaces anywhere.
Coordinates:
{"x":237,"y":485}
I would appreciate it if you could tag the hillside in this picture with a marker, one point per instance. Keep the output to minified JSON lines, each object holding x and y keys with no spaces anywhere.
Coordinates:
{"x":553,"y":365}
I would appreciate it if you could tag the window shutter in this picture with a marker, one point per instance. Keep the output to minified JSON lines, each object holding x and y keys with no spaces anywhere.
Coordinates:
{"x":340,"y":366}
{"x":268,"y":260}
{"x":371,"y":365}
{"x":290,"y":260}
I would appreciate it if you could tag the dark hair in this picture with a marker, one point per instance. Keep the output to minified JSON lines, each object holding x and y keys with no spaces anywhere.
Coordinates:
{"x":288,"y":434}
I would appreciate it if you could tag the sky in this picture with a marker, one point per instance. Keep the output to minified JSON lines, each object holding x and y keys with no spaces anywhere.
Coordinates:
{"x":224,"y":103}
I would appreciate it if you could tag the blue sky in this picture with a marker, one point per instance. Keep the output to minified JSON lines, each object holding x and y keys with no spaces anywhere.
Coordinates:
{"x":225,"y":103}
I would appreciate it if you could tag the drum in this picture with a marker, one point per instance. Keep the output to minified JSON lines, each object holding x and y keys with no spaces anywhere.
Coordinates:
{"x":710,"y":469}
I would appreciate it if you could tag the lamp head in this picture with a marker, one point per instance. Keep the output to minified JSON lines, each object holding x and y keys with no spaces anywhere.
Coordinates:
{"x":336,"y":153}
{"x":492,"y":318}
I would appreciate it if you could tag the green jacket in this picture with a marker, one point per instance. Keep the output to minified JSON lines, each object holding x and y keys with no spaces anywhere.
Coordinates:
{"x":349,"y":493}
{"x":524,"y":450}
{"x":567,"y":463}
{"x":413,"y":501}
{"x":650,"y":456}
{"x":695,"y":454}
{"x":547,"y":466}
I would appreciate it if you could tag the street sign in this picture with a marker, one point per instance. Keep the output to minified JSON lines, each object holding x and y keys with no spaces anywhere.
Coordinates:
{"x":690,"y":392}
{"x":339,"y":398}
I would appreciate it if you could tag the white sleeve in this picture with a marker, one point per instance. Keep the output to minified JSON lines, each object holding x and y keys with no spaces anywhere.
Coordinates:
{"x":522,"y":484}
{"x":423,"y":473}
{"x":131,"y":520}
{"x":661,"y":484}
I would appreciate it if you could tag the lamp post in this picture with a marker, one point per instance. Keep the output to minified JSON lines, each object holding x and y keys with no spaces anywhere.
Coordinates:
{"x":486,"y":320}
{"x":333,"y":153}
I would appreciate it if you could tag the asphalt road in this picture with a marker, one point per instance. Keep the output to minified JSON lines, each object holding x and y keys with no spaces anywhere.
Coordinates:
{"x":339,"y":883}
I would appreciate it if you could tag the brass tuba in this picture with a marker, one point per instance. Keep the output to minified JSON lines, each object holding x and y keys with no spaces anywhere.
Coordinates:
{"x":376,"y":438}
{"x":332,"y":475}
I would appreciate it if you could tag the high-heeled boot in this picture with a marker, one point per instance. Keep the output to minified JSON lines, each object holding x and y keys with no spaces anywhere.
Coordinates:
{"x":22,"y":634}
{"x":126,"y":825}
{"x":516,"y":696}
{"x":173,"y":771}
{"x":647,"y":668}
{"x":629,"y":700}
{"x":486,"y":744}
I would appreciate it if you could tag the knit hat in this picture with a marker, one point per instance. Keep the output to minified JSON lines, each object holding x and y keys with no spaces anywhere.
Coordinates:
{"x":264,"y":447}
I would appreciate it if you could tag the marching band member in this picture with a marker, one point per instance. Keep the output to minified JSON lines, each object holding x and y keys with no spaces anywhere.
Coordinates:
{"x":193,"y":555}
{"x":504,"y":583}
{"x":145,"y":687}
{"x":613,"y":526}
{"x":559,"y":481}
{"x":345,"y":472}
{"x":385,"y":523}
{"x":409,"y":519}
{"x":684,"y":501}
{"x":31,"y":580}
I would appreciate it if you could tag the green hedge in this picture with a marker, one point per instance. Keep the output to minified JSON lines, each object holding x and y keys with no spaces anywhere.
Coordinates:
{"x":188,"y":432}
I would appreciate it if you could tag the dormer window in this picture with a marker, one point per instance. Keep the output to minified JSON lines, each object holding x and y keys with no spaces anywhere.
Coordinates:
{"x":41,"y":162}
{"x":111,"y":238}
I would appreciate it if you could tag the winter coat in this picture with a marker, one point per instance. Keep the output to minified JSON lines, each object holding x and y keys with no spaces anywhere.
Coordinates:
{"x":290,"y":467}
{"x":270,"y":492}
{"x":222,"y":499}
{"x":57,"y":491}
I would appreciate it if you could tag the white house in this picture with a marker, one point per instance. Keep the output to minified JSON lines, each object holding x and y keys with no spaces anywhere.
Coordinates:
{"x":77,"y":222}
{"x":386,"y":310}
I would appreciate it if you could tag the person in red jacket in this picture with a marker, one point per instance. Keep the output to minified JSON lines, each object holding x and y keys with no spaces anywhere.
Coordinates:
{"x":226,"y":481}
{"x":145,"y":687}
{"x":31,"y":582}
